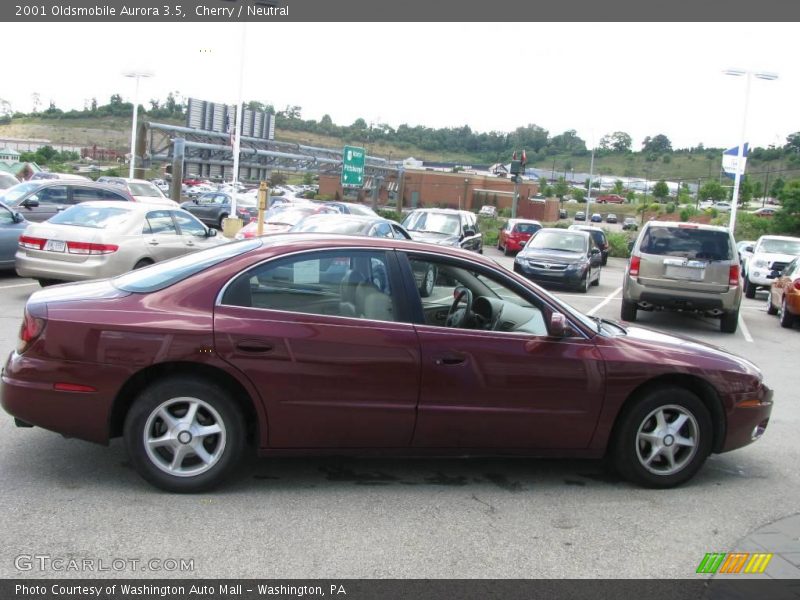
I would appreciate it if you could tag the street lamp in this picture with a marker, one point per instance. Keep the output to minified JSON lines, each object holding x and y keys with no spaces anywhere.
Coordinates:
{"x":136,"y":75}
{"x":748,"y":75}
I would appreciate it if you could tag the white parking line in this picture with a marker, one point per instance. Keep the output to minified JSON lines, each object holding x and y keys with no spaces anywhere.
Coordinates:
{"x":16,"y":285}
{"x":608,"y":299}
{"x":745,"y":330}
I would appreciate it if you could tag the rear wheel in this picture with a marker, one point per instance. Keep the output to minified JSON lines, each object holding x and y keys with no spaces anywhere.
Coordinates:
{"x":628,"y":311}
{"x":428,"y":282}
{"x":221,"y":220}
{"x":749,"y":288}
{"x":729,"y":321}
{"x":787,"y":318}
{"x":184,"y":435}
{"x":663,"y":439}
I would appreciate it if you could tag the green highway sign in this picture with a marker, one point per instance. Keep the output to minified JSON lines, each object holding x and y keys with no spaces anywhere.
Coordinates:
{"x":353,"y":159}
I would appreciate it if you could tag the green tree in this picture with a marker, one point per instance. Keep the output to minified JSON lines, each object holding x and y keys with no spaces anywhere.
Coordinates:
{"x":787,"y":220}
{"x":561,"y":188}
{"x":657,"y":144}
{"x":793,"y":142}
{"x":712,"y":190}
{"x":619,"y":141}
{"x":745,"y":190}
{"x":661,"y":190}
{"x":579,"y":194}
{"x":619,"y":187}
{"x":776,"y":189}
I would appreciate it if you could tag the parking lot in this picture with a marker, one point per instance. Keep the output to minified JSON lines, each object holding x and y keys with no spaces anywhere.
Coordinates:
{"x":359,"y":518}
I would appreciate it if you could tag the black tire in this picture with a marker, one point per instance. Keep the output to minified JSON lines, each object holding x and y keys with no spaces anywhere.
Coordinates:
{"x":628,"y":450}
{"x":729,"y":321}
{"x":628,"y":311}
{"x":771,"y":308}
{"x":145,"y":262}
{"x":583,"y":286}
{"x":215,"y":407}
{"x":604,"y":262}
{"x":749,"y":288}
{"x":787,"y":318}
{"x":221,"y":219}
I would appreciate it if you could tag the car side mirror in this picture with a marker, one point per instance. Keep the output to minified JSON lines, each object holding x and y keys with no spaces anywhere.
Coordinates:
{"x":468,"y":232}
{"x":594,"y":251}
{"x":30,"y":203}
{"x":749,"y":249}
{"x":211,"y":232}
{"x":17,"y":218}
{"x":558,"y":325}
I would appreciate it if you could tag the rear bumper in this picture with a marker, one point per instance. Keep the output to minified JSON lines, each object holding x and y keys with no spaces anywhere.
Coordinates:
{"x":94,"y":267}
{"x":27,"y":394}
{"x":681,"y":299}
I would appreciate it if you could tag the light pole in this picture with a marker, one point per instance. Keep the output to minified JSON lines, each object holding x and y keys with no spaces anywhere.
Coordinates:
{"x":748,"y":75}
{"x":137,"y":74}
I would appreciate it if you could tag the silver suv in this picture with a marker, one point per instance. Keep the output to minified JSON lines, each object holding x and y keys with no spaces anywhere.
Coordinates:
{"x":685,"y":267}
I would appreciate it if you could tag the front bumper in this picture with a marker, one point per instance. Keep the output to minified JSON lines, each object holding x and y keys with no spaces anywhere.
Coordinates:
{"x":748,"y":418}
{"x":569,"y":276}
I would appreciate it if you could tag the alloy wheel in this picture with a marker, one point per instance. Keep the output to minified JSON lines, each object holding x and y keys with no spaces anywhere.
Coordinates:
{"x":667,"y":440}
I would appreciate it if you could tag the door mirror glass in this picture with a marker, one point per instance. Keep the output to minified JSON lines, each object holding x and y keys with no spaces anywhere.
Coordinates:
{"x":558,"y":325}
{"x":748,"y":249}
{"x":211,"y":232}
{"x":594,"y":251}
{"x":469,"y":232}
{"x":30,"y":203}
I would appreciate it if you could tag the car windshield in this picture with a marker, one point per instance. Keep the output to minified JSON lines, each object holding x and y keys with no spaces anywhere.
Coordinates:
{"x":431,"y":222}
{"x":563,"y":241}
{"x":164,"y":274}
{"x":144,"y":189}
{"x":686,"y":243}
{"x":11,"y":195}
{"x":328,"y":225}
{"x":780,"y":246}
{"x":96,"y":217}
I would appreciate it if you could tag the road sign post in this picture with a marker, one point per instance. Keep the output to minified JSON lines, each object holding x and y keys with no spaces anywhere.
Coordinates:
{"x":353,"y":159}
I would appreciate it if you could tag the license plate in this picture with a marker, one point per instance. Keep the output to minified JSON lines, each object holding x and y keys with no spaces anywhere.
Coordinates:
{"x":682,"y":272}
{"x":55,"y":246}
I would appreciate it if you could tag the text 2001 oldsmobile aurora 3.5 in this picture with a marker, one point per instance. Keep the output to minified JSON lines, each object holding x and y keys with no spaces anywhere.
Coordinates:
{"x":319,"y":344}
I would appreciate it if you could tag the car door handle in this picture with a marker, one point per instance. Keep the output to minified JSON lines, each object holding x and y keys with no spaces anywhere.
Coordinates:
{"x":254,"y":346}
{"x":451,"y":360}
{"x":189,"y":243}
{"x":153,"y":242}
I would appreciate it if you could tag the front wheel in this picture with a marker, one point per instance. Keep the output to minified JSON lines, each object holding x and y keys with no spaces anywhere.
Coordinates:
{"x":583,"y":286}
{"x":628,"y":311}
{"x":184,"y":435}
{"x":771,"y":308}
{"x":663,"y":439}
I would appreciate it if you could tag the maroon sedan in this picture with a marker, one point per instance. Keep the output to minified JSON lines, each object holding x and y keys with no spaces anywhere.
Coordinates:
{"x":311,"y":344}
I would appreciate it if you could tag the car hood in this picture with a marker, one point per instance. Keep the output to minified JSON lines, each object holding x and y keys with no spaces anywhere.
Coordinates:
{"x":688,"y":350}
{"x":430,"y":237}
{"x":556,"y":257}
{"x":771,"y":257}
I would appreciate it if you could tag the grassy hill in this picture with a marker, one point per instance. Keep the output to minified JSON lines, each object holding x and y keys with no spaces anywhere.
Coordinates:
{"x":114,"y":132}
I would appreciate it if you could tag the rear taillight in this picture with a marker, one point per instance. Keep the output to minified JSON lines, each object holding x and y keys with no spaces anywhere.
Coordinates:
{"x":31,"y":329}
{"x":733,"y":276}
{"x":31,"y":243}
{"x":90,"y":248}
{"x":796,"y":284}
{"x":633,"y":271}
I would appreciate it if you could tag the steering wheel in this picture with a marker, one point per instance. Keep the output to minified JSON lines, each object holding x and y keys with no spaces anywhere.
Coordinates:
{"x":459,"y":317}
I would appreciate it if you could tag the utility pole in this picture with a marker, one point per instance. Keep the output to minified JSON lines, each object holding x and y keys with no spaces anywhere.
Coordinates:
{"x":766,"y":187}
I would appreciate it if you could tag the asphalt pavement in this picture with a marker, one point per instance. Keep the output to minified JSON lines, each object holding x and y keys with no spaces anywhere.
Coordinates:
{"x":421,"y":518}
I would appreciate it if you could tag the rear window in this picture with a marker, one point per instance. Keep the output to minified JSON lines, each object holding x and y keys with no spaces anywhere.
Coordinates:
{"x":144,"y":189}
{"x":164,"y":274}
{"x":526,"y":228}
{"x":686,"y":243}
{"x":95,"y":217}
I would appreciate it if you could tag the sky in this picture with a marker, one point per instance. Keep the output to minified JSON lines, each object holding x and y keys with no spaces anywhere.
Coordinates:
{"x":596,"y":78}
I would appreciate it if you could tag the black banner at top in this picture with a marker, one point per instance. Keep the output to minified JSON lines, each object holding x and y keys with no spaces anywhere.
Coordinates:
{"x":407,"y":10}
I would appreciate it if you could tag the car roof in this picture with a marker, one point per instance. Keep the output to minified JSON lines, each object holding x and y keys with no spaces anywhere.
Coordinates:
{"x":578,"y":227}
{"x":682,"y":225}
{"x":515,"y":221}
{"x":129,"y":206}
{"x":450,"y":211}
{"x":783,"y":238}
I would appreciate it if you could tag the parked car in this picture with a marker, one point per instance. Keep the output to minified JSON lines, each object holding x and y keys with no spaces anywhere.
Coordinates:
{"x":745,"y":250}
{"x":610,"y":199}
{"x":596,"y":218}
{"x":629,"y":224}
{"x":212,"y":208}
{"x":445,"y":227}
{"x":599,"y":237}
{"x":685,"y":267}
{"x":279,"y":220}
{"x":46,"y":176}
{"x":141,"y":190}
{"x":766,"y":211}
{"x":103,"y":239}
{"x":561,"y":257}
{"x":487,"y":210}
{"x":562,"y":213}
{"x":12,"y":225}
{"x":770,"y":256}
{"x":515,"y":234}
{"x":262,"y":342}
{"x":784,"y":295}
{"x":39,"y":200}
{"x":611,"y":218}
{"x":580,"y":216}
{"x":350,"y":208}
{"x":7,"y":180}
{"x":723,"y":206}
